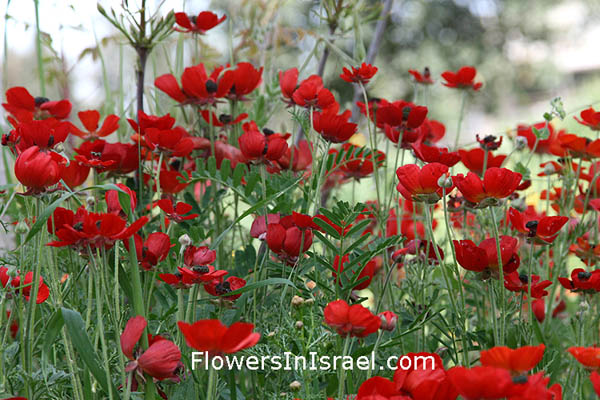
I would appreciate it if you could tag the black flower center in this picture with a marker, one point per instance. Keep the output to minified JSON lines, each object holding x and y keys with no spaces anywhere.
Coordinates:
{"x":211,"y":86}
{"x":223,"y":288}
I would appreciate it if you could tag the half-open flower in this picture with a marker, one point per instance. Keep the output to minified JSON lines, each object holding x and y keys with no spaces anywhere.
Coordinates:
{"x":421,"y":184}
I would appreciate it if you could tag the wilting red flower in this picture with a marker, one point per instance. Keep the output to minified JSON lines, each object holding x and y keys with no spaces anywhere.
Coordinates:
{"x":516,"y":282}
{"x":290,"y":236}
{"x":222,"y":120}
{"x":152,"y":250}
{"x":481,"y":382}
{"x":212,"y":336}
{"x":484,"y":258}
{"x":473,"y":160}
{"x":517,"y":361}
{"x":178,"y":212}
{"x":433,"y":154}
{"x":421,"y":184}
{"x":354,"y":320}
{"x":74,"y":174}
{"x":259,"y":146}
{"x":221,"y":287}
{"x":489,"y":142}
{"x":199,"y":24}
{"x":333,"y":127}
{"x":389,"y":319}
{"x":160,"y":360}
{"x":589,"y":357}
{"x":26,"y":287}
{"x":497,"y":183}
{"x":90,"y":119}
{"x":464,"y":78}
{"x":244,"y":79}
{"x":82,"y":229}
{"x":367,"y":272}
{"x":310,"y":93}
{"x":543,"y":231}
{"x":24,"y":107}
{"x":582,"y":281}
{"x":590,"y":118}
{"x":38,"y":170}
{"x":196,"y":86}
{"x":172,"y":142}
{"x":422,"y":78}
{"x":362,"y":74}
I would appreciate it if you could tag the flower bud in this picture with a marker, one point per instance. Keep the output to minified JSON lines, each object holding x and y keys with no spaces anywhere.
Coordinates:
{"x":90,"y":201}
{"x":295,"y":386}
{"x":549,"y":169}
{"x":520,"y":142}
{"x":297,"y":301}
{"x":299,"y":325}
{"x":185,"y":240}
{"x":388,"y":320}
{"x":445,"y":182}
{"x":59,"y":148}
{"x":21,"y":228}
{"x":309,"y":301}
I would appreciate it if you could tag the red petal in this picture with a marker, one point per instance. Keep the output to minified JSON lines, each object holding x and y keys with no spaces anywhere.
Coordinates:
{"x":132,"y":334}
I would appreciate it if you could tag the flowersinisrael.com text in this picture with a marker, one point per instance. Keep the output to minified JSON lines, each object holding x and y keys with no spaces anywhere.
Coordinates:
{"x":313,"y":362}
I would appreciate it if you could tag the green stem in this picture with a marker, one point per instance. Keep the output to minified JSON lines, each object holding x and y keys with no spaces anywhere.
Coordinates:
{"x":501,"y":277}
{"x":342,"y":372}
{"x":38,"y":49}
{"x":461,"y":116}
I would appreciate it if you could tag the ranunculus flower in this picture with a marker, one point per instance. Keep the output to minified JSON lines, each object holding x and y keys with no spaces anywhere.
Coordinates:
{"x":354,"y":320}
{"x":212,"y":336}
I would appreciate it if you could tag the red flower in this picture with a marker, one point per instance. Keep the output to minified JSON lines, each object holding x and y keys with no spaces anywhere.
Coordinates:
{"x":420,"y":248}
{"x":484,"y":258}
{"x":544,"y":146}
{"x":582,"y":281}
{"x":258,"y":230}
{"x":579,"y":146}
{"x":354,"y":320}
{"x":288,"y":81}
{"x":160,"y":360}
{"x":74,"y":174}
{"x":171,"y":181}
{"x":389,"y":319}
{"x":311,"y":93}
{"x":333,"y":127}
{"x":196,"y":86}
{"x":152,"y":250}
{"x":365,"y":274}
{"x":199,"y":24}
{"x":464,"y":78}
{"x":516,"y":282}
{"x":595,"y":379}
{"x":220,"y":287}
{"x":82,"y":229}
{"x":178,"y":212}
{"x":113,"y":205}
{"x":424,"y":78}
{"x":421,"y":184}
{"x":244,"y":79}
{"x":118,"y":158}
{"x":489,"y":142}
{"x":589,"y":357}
{"x":473,"y":160}
{"x":259,"y":146}
{"x":543,"y":231}
{"x":497,"y":183}
{"x":355,"y":163}
{"x":44,"y":134}
{"x":151,"y":121}
{"x":481,"y":382}
{"x":379,"y":388}
{"x":539,"y":309}
{"x":38,"y":170}
{"x":297,"y":158}
{"x":433,"y":154}
{"x":362,"y":74}
{"x":90,"y":119}
{"x":172,"y":142}
{"x":517,"y":361}
{"x":27,"y":286}
{"x":426,"y":377}
{"x":290,"y":236}
{"x":24,"y":107}
{"x":590,"y":118}
{"x":212,"y":336}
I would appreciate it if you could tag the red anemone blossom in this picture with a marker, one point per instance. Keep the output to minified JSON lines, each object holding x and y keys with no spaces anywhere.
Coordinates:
{"x":152,"y":250}
{"x":543,"y":231}
{"x":290,"y":236}
{"x":146,"y":121}
{"x":590,"y":118}
{"x":480,"y":383}
{"x":90,"y":120}
{"x":589,"y":357}
{"x":117,"y":158}
{"x":309,"y":94}
{"x":517,"y":361}
{"x":24,"y":107}
{"x":422,"y":78}
{"x":160,"y":360}
{"x":582,"y":281}
{"x":221,"y":287}
{"x":497,"y":183}
{"x":244,"y":79}
{"x":464,"y":78}
{"x":176,"y":213}
{"x":362,"y":74}
{"x":83,"y":229}
{"x":26,"y":287}
{"x":484,"y":258}
{"x":473,"y":160}
{"x":171,"y":142}
{"x":334,"y":127}
{"x":113,"y":204}
{"x":199,"y":24}
{"x":354,"y":320}
{"x":45,"y":134}
{"x":550,"y":145}
{"x":74,"y":174}
{"x":433,"y":154}
{"x":489,"y":142}
{"x":197,"y":256}
{"x":365,"y":275}
{"x":38,"y":170}
{"x":262,"y":146}
{"x":421,"y":184}
{"x":516,"y":282}
{"x":211,"y":336}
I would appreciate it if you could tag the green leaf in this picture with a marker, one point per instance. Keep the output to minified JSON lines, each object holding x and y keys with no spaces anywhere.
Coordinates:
{"x":330,"y":230}
{"x":225,"y":169}
{"x":238,"y":174}
{"x":81,"y":342}
{"x":326,"y":241}
{"x":53,"y":327}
